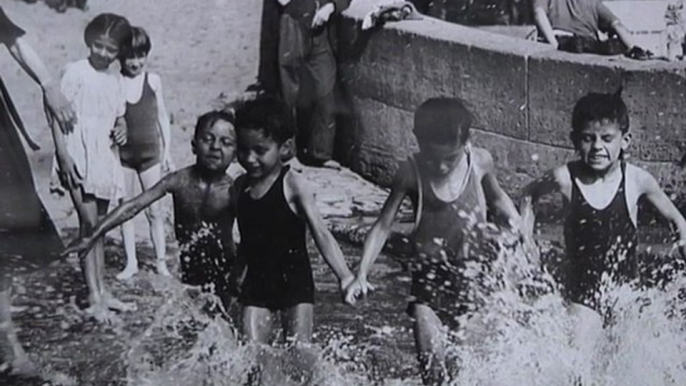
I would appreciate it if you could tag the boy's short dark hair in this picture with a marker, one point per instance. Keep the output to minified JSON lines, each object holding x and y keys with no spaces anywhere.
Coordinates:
{"x":109,"y":24}
{"x":597,"y":107}
{"x":267,"y":113}
{"x":209,"y":119}
{"x":442,"y":120}
{"x":139,"y":44}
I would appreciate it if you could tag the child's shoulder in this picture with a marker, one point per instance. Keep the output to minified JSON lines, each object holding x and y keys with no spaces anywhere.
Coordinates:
{"x":482,"y":157}
{"x":640,"y":177}
{"x":154,"y":80}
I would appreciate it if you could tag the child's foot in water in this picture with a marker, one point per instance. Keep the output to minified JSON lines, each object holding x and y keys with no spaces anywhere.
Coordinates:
{"x":115,"y":304}
{"x":128,"y":272}
{"x":162,"y":268}
{"x":101,"y":313}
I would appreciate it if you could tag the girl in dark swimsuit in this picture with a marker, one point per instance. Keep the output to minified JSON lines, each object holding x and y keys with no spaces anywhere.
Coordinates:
{"x":146,"y":152}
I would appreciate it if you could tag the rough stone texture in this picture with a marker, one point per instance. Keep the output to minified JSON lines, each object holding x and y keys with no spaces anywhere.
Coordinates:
{"x":384,"y":137}
{"x":556,"y":81}
{"x":522,"y":93}
{"x":656,"y":98}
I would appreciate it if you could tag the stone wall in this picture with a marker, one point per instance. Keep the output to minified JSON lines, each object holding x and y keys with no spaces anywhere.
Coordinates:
{"x":522,"y":93}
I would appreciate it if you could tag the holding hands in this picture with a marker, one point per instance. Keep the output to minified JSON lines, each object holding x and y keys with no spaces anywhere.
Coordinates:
{"x":359,"y":287}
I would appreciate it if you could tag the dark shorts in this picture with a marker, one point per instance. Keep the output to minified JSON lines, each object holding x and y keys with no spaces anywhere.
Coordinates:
{"x":208,"y":267}
{"x":278,"y":289}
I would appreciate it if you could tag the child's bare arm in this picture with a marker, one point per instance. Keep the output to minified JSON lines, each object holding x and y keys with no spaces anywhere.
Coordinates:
{"x":303,"y":201}
{"x":550,"y":182}
{"x":497,"y":200}
{"x":125,"y":212}
{"x":380,"y":231}
{"x":648,"y":186}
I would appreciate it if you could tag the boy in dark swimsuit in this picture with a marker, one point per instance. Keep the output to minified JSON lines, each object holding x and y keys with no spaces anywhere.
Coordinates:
{"x":452,"y":185}
{"x":203,"y":218}
{"x":274,"y":209}
{"x":601,"y":193}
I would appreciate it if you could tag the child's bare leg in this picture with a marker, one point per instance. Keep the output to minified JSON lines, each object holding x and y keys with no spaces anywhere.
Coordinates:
{"x":429,"y":338}
{"x":587,"y":328}
{"x":298,"y":323}
{"x":257,"y":324}
{"x":128,"y":231}
{"x":148,"y":179}
{"x":108,"y":299}
{"x":9,"y":343}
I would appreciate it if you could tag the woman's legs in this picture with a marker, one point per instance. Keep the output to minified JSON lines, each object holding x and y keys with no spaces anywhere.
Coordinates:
{"x":128,"y":230}
{"x":148,"y":179}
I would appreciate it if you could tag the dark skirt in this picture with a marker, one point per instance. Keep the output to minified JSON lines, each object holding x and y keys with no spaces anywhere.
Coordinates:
{"x":28,"y":237}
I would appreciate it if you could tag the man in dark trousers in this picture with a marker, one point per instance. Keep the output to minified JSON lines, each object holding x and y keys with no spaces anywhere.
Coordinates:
{"x":307,"y":70}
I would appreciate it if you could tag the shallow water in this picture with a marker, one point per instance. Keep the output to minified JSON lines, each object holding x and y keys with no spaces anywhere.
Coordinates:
{"x":519,"y":336}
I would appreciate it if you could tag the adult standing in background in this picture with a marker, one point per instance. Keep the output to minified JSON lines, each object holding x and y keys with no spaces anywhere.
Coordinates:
{"x":307,"y":69}
{"x":28,"y":237}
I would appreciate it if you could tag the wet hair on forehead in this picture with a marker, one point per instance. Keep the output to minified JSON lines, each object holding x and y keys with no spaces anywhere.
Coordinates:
{"x":603,"y":108}
{"x":110,"y":25}
{"x":138,"y":45}
{"x":442,"y":121}
{"x":208,"y":120}
{"x":268,"y":114}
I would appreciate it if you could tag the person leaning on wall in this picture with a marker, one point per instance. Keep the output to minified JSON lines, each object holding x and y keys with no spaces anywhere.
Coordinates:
{"x":576,"y":26}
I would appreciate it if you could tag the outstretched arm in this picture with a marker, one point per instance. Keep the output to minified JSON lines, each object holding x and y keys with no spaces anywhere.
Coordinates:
{"x":379,"y":233}
{"x":125,"y":212}
{"x":303,"y":201}
{"x":657,"y":197}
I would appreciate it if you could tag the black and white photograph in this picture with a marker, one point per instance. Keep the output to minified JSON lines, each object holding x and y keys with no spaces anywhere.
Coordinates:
{"x":342,"y":192}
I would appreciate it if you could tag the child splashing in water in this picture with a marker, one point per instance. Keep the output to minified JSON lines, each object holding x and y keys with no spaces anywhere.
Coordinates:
{"x":451,"y":185}
{"x":88,"y":157}
{"x":202,"y":208}
{"x":601,"y":192}
{"x":274,"y":208}
{"x":146,"y":152}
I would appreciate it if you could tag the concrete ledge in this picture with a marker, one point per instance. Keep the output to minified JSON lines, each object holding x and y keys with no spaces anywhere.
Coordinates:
{"x":522,"y":93}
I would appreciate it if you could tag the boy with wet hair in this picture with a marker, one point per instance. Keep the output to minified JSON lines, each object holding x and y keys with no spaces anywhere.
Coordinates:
{"x":452,"y":186}
{"x":600,"y":192}
{"x":203,"y":218}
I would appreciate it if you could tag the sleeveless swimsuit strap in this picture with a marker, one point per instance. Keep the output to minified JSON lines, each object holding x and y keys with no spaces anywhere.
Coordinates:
{"x":420,"y":185}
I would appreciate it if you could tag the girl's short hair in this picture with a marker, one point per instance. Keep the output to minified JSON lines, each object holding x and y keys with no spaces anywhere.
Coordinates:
{"x":138,"y":45}
{"x":268,"y":114}
{"x":208,"y":120}
{"x":597,"y":107}
{"x":114,"y":26}
{"x":442,"y":121}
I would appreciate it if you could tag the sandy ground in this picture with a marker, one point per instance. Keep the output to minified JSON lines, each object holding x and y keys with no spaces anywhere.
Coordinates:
{"x":205,"y":51}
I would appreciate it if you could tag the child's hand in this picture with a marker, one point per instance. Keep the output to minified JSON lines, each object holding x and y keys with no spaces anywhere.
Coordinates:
{"x":322,"y":15}
{"x":67,"y":172}
{"x":119,"y":134}
{"x":357,"y":289}
{"x":81,"y":246}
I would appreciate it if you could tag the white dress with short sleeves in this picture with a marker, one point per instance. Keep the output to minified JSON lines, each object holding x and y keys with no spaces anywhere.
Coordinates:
{"x":98,"y":99}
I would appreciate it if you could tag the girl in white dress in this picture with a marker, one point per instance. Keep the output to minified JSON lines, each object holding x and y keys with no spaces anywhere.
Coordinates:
{"x":88,"y":157}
